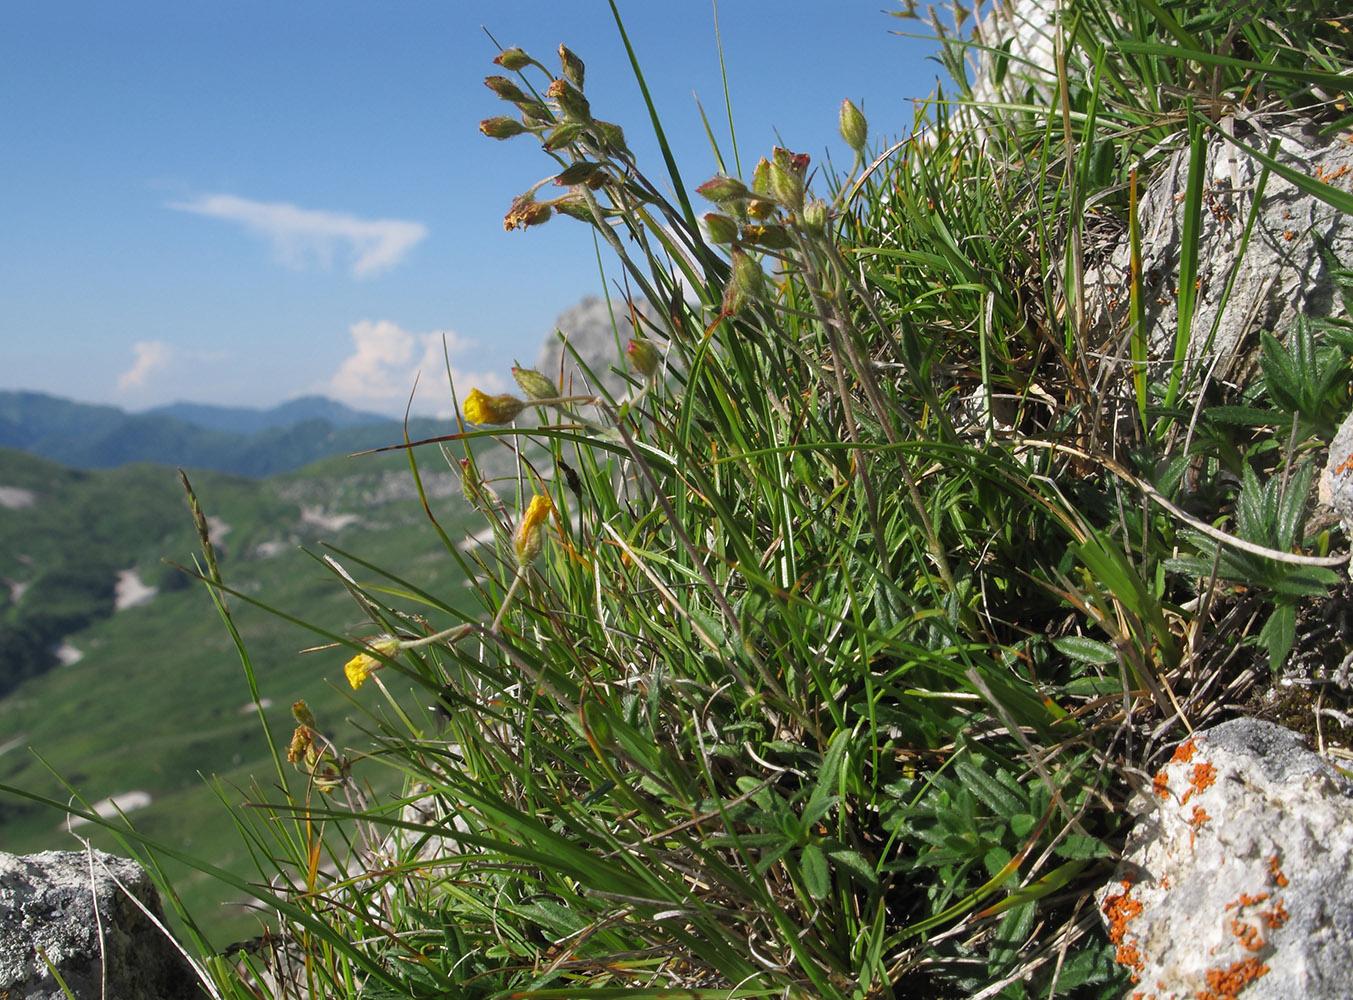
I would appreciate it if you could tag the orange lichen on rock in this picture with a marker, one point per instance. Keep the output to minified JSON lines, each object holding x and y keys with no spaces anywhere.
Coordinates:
{"x":1226,"y":984}
{"x":1120,"y":910}
{"x":1203,"y":776}
{"x":1275,"y":916}
{"x":1200,"y":817}
{"x":1184,"y":752}
{"x":1279,"y":879}
{"x":1248,"y":935}
{"x":1160,"y":784}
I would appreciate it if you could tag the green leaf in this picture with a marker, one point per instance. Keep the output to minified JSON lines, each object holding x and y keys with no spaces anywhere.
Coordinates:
{"x":1022,"y":823}
{"x":1279,"y":633}
{"x":816,"y":877}
{"x":1085,"y":650}
{"x":856,"y":867}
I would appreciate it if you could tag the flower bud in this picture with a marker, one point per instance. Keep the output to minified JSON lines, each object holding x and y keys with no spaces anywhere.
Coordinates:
{"x":570,"y":100}
{"x":482,"y":409}
{"x":480,"y":495}
{"x":581,"y":172}
{"x":505,"y":88}
{"x":747,"y":275}
{"x":760,"y":208}
{"x":786,"y":179}
{"x":564,"y":134}
{"x":721,"y":228}
{"x":363,"y":665}
{"x":512,"y":59}
{"x":501,"y":127}
{"x":535,"y":111}
{"x":612,"y":136}
{"x":534,"y":384}
{"x":854,"y":129}
{"x":720,"y":189}
{"x":300,"y":711}
{"x":644,"y":356}
{"x":761,"y":177}
{"x":575,"y":207}
{"x":770,"y":237}
{"x":573,"y":67}
{"x":815,"y":216}
{"x":530,"y":536}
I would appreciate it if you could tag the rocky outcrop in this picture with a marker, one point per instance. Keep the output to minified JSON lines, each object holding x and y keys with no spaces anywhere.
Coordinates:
{"x":596,"y":332}
{"x":1237,"y":875}
{"x":77,"y":915}
{"x":1263,"y":255}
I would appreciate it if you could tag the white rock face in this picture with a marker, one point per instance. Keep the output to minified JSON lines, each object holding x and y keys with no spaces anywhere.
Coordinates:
{"x":131,"y":591}
{"x":124,"y":802}
{"x":16,"y":498}
{"x":1239,"y":875}
{"x":1278,"y":275}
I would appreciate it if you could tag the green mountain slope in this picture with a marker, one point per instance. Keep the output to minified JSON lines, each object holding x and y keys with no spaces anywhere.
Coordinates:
{"x":155,"y":700}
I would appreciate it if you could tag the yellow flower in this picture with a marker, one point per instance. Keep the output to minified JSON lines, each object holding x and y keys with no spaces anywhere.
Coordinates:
{"x":360,"y":667}
{"x":482,"y":409}
{"x":530,"y":534}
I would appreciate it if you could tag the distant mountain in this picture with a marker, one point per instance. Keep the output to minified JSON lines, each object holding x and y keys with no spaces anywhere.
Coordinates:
{"x":287,"y":437}
{"x":244,"y":420}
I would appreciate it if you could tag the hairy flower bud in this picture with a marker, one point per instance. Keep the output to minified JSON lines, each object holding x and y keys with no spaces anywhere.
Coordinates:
{"x":746,"y":282}
{"x":612,"y":136}
{"x":575,"y":207}
{"x":581,"y":172}
{"x":770,"y":237}
{"x":570,"y":100}
{"x":505,"y":88}
{"x":501,"y":127}
{"x":534,"y":384}
{"x":482,"y":409}
{"x":761,"y":177}
{"x":572,"y":66}
{"x":786,"y":179}
{"x":300,"y":711}
{"x":530,"y":535}
{"x":513,"y":59}
{"x":535,"y":111}
{"x":747,"y":274}
{"x":721,"y":228}
{"x":644,"y":356}
{"x":815,"y":216}
{"x":720,"y":189}
{"x":854,"y":129}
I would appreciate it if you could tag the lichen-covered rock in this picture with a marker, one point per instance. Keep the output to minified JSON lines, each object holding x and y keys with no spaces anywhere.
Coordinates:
{"x":1262,"y":261}
{"x":1236,"y":880}
{"x":67,"y":907}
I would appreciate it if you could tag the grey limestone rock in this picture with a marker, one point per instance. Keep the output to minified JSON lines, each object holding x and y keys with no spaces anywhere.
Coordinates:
{"x":1236,"y":879}
{"x":1276,"y":272}
{"x":68,"y":907}
{"x":596,"y":331}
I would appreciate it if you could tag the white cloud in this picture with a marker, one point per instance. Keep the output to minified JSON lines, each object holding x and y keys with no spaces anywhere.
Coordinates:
{"x":386,"y":359}
{"x":299,"y":235}
{"x":151,"y":356}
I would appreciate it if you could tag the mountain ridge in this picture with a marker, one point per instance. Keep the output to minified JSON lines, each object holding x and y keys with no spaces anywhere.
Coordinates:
{"x":238,"y":440}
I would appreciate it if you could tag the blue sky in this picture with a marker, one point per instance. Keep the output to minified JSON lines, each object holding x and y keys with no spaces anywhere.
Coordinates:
{"x":244,"y":202}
